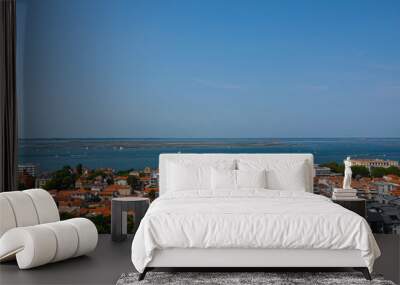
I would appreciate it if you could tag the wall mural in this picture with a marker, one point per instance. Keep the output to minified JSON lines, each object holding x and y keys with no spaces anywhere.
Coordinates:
{"x":104,"y":89}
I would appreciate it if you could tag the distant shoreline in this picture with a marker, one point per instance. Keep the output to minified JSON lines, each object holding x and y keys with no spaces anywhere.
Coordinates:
{"x":133,"y":143}
{"x":209,"y":138}
{"x":173,"y":144}
{"x":137,"y":153}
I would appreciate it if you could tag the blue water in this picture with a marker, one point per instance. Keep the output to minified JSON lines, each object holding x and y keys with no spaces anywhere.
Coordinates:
{"x":51,"y":154}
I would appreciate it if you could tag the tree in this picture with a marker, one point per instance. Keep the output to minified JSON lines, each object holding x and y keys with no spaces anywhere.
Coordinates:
{"x":96,"y":173}
{"x":334,"y":166}
{"x":393,"y":170}
{"x":61,"y":179}
{"x":110,"y":180}
{"x":25,"y":181}
{"x":360,"y":171}
{"x":124,"y":172}
{"x":152,"y":195}
{"x":21,"y":186}
{"x":133,"y":181}
{"x":66,"y":216}
{"x":79,"y":169}
{"x":103,"y":224}
{"x":380,"y":171}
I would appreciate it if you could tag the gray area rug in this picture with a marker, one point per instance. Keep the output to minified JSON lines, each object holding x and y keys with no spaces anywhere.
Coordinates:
{"x":225,"y":278}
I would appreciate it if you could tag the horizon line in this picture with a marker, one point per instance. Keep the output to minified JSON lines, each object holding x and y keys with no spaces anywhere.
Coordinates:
{"x":193,"y":138}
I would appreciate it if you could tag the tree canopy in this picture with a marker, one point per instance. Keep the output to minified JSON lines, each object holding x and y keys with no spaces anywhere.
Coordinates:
{"x":380,"y":171}
{"x":362,"y":171}
{"x":334,"y":166}
{"x":62,"y":179}
{"x":359,"y":171}
{"x":133,"y":181}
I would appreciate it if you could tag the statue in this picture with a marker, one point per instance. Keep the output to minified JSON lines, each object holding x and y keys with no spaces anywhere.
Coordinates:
{"x":347,"y":173}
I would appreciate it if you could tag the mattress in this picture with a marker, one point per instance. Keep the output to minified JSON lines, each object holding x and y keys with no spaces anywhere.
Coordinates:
{"x":250,"y":219}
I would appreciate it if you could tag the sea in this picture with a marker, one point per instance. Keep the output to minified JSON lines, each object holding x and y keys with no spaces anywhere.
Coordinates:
{"x":128,"y":153}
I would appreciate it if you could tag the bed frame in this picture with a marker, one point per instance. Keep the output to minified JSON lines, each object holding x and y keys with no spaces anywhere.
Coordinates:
{"x":363,"y":270}
{"x":245,"y":259}
{"x":250,"y":259}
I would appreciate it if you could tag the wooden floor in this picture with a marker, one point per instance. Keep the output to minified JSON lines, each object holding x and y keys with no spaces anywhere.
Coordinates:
{"x":111,"y":259}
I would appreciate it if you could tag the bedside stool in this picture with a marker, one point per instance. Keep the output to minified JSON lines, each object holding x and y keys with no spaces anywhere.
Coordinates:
{"x":119,"y":215}
{"x":357,"y":205}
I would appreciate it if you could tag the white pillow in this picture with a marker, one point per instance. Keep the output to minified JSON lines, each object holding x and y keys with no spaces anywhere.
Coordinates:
{"x":251,"y":178}
{"x":193,"y":175}
{"x":188,"y":177}
{"x":292,"y":177}
{"x":223,"y":179}
{"x":281,"y":174}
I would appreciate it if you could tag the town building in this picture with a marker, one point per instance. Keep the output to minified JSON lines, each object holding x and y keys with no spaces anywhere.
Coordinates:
{"x":121,"y":180}
{"x":147,"y":170}
{"x":384,"y":188}
{"x":28,"y":168}
{"x":118,"y":190}
{"x":324,"y":171}
{"x":134,"y":173}
{"x":371,"y":163}
{"x":42,"y":179}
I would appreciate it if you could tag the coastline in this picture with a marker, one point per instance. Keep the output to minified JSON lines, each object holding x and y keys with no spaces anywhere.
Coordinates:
{"x":138,"y":153}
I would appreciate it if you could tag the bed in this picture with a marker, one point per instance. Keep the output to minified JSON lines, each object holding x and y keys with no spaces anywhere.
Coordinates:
{"x":245,"y":211}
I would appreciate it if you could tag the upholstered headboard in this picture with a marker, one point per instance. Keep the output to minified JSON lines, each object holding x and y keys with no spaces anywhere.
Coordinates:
{"x":308,"y":160}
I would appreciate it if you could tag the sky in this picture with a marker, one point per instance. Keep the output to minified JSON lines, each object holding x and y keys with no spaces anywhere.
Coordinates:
{"x":208,"y":68}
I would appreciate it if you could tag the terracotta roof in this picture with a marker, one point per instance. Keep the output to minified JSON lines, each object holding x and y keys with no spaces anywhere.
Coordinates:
{"x":83,"y":211}
{"x":395,"y":192}
{"x":115,"y":188}
{"x":120,"y":177}
{"x":392,"y":178}
{"x":106,"y":193}
{"x":150,"y":189}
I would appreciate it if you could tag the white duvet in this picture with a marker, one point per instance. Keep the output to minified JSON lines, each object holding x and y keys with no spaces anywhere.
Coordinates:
{"x":250,"y":219}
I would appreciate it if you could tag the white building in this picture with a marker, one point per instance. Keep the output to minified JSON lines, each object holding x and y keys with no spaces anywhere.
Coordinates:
{"x":322,"y":170}
{"x":371,"y":163}
{"x":384,"y":188}
{"x":121,"y":180}
{"x":28,"y":168}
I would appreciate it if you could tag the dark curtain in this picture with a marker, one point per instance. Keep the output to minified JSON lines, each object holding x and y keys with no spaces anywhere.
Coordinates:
{"x":8,"y":100}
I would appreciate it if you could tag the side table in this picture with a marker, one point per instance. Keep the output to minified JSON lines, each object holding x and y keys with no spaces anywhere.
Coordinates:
{"x":119,"y":215}
{"x":356,"y":205}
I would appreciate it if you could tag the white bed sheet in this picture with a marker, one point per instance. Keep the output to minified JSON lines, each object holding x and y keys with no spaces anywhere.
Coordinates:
{"x":251,"y":218}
